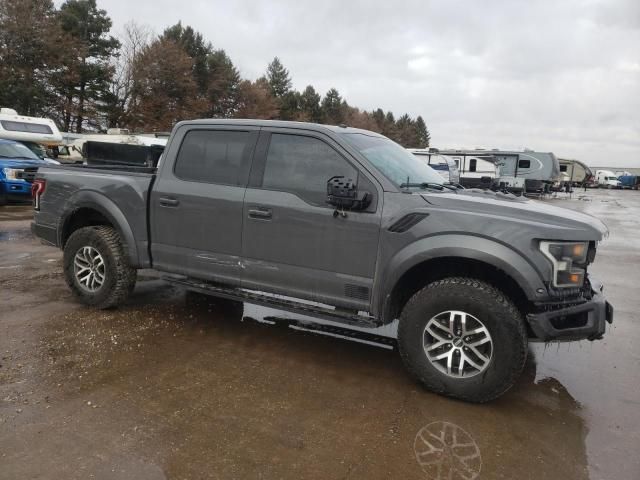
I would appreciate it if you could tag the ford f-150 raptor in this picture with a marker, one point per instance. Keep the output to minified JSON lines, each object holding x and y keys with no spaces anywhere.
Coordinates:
{"x":338,"y":223}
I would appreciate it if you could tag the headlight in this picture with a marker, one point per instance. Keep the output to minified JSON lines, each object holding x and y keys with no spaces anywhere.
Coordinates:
{"x":11,"y":173}
{"x":564,"y":257}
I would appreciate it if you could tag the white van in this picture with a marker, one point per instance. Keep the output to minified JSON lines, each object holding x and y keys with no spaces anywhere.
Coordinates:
{"x":607,"y":179}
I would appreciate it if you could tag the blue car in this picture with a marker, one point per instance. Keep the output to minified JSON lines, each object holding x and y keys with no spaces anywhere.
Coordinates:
{"x":18,"y":166}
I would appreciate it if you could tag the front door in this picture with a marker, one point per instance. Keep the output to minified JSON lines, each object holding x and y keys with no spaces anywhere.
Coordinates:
{"x":196,"y":202}
{"x":292,"y":242}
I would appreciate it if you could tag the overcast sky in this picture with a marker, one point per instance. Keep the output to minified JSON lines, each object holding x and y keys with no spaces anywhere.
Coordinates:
{"x":561,"y":76}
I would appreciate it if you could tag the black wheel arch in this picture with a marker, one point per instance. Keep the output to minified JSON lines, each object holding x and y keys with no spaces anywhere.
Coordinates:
{"x":423,"y":273}
{"x":99,"y":210}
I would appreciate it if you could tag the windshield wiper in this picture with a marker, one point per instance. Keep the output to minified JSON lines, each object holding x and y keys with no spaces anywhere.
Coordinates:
{"x":431,"y":185}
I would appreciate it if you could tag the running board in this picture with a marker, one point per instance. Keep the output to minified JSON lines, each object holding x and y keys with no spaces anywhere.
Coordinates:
{"x":273,"y":302}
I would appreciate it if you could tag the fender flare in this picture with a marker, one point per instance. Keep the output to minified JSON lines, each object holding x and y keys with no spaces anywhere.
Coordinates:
{"x":470,"y":247}
{"x":102,"y":204}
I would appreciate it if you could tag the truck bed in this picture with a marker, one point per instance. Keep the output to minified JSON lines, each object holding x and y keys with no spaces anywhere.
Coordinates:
{"x":120,"y":193}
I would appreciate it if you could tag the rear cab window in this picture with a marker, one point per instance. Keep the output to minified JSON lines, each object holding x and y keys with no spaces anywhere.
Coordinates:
{"x":214,"y":156}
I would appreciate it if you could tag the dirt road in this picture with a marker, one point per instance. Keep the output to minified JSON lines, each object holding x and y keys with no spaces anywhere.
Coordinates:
{"x":165,"y":388}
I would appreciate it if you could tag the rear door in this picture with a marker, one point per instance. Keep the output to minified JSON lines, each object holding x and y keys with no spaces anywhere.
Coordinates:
{"x":292,"y":242}
{"x":196,"y":202}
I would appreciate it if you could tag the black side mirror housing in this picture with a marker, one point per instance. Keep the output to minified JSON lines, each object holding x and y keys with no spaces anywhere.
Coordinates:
{"x":343,"y":194}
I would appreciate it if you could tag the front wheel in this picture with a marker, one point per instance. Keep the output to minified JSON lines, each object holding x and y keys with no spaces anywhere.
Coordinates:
{"x":463,"y":338}
{"x":96,"y":267}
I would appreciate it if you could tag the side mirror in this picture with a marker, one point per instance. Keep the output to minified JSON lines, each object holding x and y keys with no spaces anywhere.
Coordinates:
{"x":343,"y":194}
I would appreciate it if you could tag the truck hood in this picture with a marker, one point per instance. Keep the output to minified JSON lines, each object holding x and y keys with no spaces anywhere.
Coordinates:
{"x":567,"y":224}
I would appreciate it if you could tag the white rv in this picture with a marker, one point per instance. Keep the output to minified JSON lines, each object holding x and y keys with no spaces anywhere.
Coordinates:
{"x":445,"y":166}
{"x":477,"y":169}
{"x":577,"y":171}
{"x":42,"y":131}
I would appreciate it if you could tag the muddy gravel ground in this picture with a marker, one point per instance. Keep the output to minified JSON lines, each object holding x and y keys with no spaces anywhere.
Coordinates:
{"x":168,"y":387}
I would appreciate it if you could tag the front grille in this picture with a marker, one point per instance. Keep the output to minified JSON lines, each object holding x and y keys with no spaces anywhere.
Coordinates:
{"x":28,"y":174}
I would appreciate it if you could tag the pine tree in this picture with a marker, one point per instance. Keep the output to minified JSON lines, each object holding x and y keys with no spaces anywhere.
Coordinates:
{"x":223,"y":85}
{"x":290,"y":105}
{"x":194,"y":45}
{"x":332,"y":107}
{"x":310,"y":109}
{"x":278,"y":78}
{"x":29,"y":46}
{"x":422,"y":133}
{"x":89,"y":72}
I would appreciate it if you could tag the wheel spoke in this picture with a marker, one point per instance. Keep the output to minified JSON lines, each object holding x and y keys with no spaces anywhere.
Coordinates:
{"x":479,"y":354}
{"x":461,"y":365}
{"x":431,"y":329}
{"x":450,"y":361}
{"x":479,"y":342}
{"x":472,"y":363}
{"x":452,"y":323}
{"x":442,"y":355}
{"x":435,"y":345}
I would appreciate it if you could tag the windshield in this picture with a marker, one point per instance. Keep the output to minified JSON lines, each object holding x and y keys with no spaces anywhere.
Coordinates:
{"x":394,"y":162}
{"x":16,"y":150}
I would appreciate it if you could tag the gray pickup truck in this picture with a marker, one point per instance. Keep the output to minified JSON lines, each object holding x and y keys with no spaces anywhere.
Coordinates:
{"x":341,"y":224}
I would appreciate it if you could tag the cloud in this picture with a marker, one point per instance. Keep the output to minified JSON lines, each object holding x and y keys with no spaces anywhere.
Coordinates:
{"x":554,"y":76}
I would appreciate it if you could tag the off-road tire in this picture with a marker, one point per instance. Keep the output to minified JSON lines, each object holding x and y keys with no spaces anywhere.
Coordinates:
{"x":493,"y":309}
{"x":120,"y":277}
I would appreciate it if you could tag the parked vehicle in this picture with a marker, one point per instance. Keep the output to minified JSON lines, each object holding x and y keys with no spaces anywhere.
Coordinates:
{"x":607,"y":179}
{"x":338,"y":223}
{"x":445,"y":166}
{"x":577,"y":171}
{"x":518,"y":172}
{"x":477,"y":169}
{"x":21,"y":128}
{"x":18,"y":166}
{"x":629,"y":181}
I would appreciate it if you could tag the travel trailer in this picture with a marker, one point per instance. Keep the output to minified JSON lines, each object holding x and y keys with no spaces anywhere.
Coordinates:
{"x":477,"y":170}
{"x":34,"y":130}
{"x":445,"y":166}
{"x":607,"y":179}
{"x":519,"y":172}
{"x":577,"y":171}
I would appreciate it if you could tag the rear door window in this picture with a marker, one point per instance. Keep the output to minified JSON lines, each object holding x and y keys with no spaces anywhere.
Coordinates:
{"x":302,"y":165}
{"x":213,"y":156}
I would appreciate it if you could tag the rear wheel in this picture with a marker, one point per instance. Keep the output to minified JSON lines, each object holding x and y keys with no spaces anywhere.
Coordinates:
{"x":463,"y":338}
{"x":96,"y":267}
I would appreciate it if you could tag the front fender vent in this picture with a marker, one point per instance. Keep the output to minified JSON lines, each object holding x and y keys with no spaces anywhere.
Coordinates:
{"x":407,"y":222}
{"x":356,"y":291}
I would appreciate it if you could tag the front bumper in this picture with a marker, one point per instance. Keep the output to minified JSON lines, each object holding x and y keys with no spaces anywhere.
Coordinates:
{"x":16,"y":190}
{"x":585,"y":320}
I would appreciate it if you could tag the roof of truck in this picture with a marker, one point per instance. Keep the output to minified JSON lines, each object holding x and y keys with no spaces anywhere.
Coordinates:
{"x":278,"y":123}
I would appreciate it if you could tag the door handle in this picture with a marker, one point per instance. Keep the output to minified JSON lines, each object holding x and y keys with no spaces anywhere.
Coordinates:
{"x":169,"y":202}
{"x":261,"y":213}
